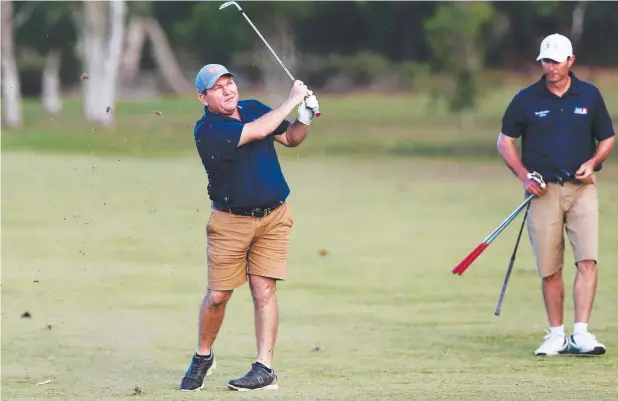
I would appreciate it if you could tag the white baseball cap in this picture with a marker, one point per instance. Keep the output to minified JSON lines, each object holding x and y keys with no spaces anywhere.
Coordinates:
{"x":555,"y":47}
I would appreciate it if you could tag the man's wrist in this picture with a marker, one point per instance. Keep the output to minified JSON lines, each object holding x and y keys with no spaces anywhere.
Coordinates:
{"x":522,"y":174}
{"x":594,"y":162}
{"x":287,"y":106}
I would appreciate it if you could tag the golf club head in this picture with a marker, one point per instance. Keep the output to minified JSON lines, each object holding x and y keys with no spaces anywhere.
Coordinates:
{"x":229,"y":3}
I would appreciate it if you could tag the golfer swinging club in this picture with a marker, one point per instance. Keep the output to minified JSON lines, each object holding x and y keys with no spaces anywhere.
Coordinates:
{"x":567,"y":133}
{"x":248,"y":233}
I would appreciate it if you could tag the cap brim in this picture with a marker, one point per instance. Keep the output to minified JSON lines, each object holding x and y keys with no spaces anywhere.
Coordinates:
{"x":559,"y":58}
{"x":216,"y":77}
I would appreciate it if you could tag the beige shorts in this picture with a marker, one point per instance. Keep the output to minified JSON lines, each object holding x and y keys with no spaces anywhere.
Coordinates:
{"x":238,"y":246}
{"x":573,"y":207}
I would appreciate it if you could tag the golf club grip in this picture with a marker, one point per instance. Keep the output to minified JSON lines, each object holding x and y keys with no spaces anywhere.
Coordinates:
{"x":467,"y":261}
{"x":464,"y":264}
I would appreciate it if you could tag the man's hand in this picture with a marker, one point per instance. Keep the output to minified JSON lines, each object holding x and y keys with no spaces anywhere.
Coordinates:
{"x":585,"y":172}
{"x":299,"y":92}
{"x":305,"y":109}
{"x":534,"y":184}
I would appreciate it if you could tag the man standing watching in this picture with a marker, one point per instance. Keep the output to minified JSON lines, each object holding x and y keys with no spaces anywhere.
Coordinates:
{"x":248,"y":233}
{"x":566,"y":134}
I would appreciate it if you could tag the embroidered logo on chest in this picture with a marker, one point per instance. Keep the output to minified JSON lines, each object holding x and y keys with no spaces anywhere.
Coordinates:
{"x":581,"y":110}
{"x":541,"y":113}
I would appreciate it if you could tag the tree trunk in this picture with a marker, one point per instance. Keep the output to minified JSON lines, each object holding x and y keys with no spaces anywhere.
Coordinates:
{"x":165,"y":58}
{"x":51,"y":98}
{"x":577,"y":25}
{"x":130,"y":63}
{"x":11,"y":90}
{"x":101,"y":58}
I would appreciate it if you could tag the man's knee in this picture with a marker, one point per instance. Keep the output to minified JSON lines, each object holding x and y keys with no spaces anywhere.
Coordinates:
{"x":263,"y":289}
{"x":586,"y":266}
{"x":554,"y":277}
{"x":216,"y":298}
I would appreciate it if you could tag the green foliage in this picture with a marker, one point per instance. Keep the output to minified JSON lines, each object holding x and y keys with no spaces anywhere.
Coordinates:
{"x":40,"y":27}
{"x":455,"y":35}
{"x":357,"y":36}
{"x":140,"y":8}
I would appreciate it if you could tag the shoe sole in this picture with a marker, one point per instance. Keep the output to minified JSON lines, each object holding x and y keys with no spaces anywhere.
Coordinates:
{"x":548,"y":355}
{"x":561,"y":352}
{"x":573,"y":352}
{"x":208,"y":373}
{"x":594,"y":352}
{"x":274,"y":386}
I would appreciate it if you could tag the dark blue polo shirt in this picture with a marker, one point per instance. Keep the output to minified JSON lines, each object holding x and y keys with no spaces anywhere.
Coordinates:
{"x":558,"y":133}
{"x":247,"y":176}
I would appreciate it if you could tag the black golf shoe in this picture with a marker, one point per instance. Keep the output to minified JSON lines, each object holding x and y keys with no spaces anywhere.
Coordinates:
{"x":258,"y":378}
{"x":201,"y":366}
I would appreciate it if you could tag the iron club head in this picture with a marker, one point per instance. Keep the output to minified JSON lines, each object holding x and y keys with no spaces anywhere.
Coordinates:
{"x":229,"y":3}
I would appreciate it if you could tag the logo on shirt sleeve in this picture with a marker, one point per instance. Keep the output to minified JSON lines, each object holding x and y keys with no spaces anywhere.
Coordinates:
{"x":581,"y":110}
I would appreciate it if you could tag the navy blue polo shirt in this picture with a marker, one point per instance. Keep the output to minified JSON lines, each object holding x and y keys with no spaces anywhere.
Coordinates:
{"x":247,"y":176}
{"x":558,"y":133}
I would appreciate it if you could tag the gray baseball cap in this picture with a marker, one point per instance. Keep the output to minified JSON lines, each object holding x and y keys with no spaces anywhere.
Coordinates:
{"x":208,"y":75}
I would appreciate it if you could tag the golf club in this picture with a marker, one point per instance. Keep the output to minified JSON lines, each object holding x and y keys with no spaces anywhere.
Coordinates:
{"x":316,"y":110}
{"x":464,"y":264}
{"x":498,"y":307}
{"x":467,"y":261}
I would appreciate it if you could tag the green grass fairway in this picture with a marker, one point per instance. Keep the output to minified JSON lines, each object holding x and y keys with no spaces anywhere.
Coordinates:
{"x":110,"y":251}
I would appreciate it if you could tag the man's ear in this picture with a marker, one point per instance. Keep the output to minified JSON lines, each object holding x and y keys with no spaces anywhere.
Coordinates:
{"x":202,"y":98}
{"x":571,"y":60}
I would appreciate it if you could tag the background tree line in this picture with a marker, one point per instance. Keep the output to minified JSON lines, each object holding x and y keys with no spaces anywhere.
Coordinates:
{"x":123,"y":48}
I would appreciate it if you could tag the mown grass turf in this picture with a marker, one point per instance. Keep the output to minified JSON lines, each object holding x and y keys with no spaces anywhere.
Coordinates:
{"x":110,"y":252}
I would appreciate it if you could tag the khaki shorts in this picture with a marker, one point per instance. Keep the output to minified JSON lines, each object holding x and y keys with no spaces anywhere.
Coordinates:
{"x":243,"y":245}
{"x":572,"y":206}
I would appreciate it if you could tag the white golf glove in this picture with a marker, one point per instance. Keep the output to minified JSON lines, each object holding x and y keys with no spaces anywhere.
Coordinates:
{"x":305,"y":109}
{"x":534,"y":176}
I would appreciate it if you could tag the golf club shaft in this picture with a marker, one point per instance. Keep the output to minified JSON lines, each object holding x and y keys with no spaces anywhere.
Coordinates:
{"x":508,"y":220}
{"x":464,"y":264}
{"x":316,"y":110}
{"x":507,"y":277}
{"x":267,"y":45}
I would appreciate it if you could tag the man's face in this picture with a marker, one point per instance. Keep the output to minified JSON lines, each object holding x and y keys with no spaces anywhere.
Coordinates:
{"x":222,"y":98}
{"x":556,"y":72}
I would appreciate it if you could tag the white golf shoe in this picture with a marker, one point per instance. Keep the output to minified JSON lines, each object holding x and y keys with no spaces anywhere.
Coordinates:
{"x":585,"y":343}
{"x":553,"y":345}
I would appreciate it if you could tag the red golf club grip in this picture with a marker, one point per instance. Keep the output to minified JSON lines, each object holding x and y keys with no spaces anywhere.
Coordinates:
{"x":467,"y":260}
{"x":464,"y":264}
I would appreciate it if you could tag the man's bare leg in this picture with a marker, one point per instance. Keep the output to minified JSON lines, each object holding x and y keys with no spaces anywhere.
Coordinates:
{"x":263,"y":291}
{"x":203,"y":362}
{"x":553,"y":295}
{"x":582,"y":340}
{"x":211,"y":317}
{"x":584,"y":290}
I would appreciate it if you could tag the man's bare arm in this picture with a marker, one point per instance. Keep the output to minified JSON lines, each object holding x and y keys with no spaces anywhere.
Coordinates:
{"x":604,"y":148}
{"x":265,"y":125}
{"x":508,"y":152}
{"x":294,"y":135}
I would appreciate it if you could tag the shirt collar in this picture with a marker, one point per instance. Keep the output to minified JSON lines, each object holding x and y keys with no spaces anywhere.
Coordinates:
{"x":209,"y":114}
{"x":574,"y":89}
